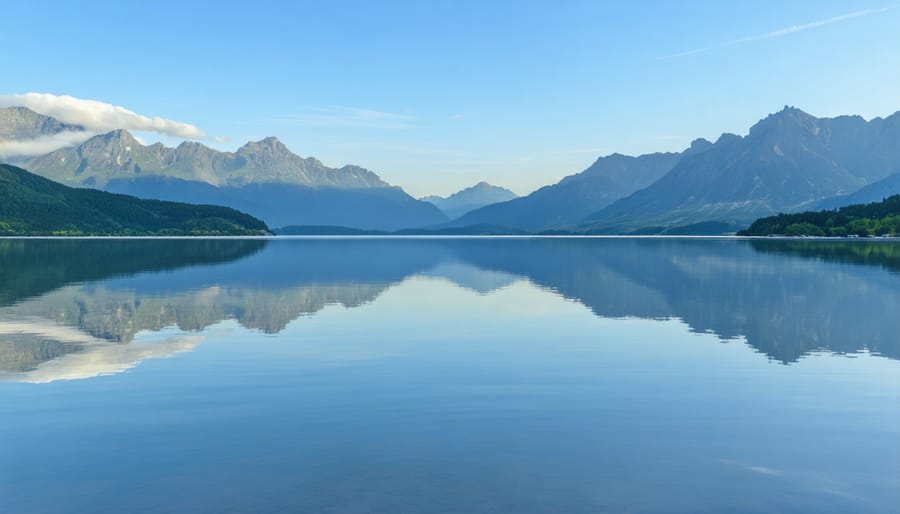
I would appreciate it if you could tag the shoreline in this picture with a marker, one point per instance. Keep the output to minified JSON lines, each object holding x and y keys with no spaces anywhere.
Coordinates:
{"x":464,"y":236}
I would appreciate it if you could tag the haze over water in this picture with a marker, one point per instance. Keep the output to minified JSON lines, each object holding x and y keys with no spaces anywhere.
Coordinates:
{"x":449,"y":375}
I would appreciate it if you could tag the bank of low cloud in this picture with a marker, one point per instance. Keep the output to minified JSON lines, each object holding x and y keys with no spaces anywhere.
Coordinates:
{"x":98,"y":116}
{"x":43,"y":144}
{"x":95,"y":117}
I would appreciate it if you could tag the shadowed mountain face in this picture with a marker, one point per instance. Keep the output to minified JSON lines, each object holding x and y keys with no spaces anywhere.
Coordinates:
{"x":280,"y":205}
{"x":874,"y":192}
{"x":567,"y":202}
{"x":784,"y":298}
{"x":788,"y":162}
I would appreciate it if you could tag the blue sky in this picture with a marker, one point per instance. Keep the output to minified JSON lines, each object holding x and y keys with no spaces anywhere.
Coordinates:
{"x":435,"y":96}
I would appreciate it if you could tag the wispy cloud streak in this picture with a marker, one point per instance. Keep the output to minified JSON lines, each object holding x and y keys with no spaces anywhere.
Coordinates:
{"x":43,"y":144}
{"x":793,"y":29}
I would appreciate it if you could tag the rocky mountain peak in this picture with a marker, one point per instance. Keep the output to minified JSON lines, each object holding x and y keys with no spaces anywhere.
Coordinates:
{"x":483,"y":188}
{"x":114,"y":141}
{"x":700,"y":144}
{"x":194,"y":148}
{"x":728,"y":138}
{"x":120,"y":135}
{"x":19,"y":123}
{"x":788,"y":119}
{"x":22,"y":112}
{"x":270,"y":145}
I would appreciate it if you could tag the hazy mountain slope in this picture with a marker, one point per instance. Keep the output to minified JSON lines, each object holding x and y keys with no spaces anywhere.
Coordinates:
{"x":279,"y":205}
{"x":574,"y":197}
{"x":263,"y":178}
{"x":471,"y":198}
{"x":33,"y":205}
{"x":787,"y":162}
{"x":873,"y":192}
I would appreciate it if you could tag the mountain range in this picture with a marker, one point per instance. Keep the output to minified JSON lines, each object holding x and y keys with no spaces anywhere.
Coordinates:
{"x":262,"y":178}
{"x":569,"y":201}
{"x":788,"y":162}
{"x":118,"y":155}
{"x":470,"y":198}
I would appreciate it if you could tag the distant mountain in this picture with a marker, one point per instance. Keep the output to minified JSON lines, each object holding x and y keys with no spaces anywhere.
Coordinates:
{"x":573,"y":198}
{"x":262,"y":178}
{"x":874,"y":192}
{"x":21,"y":123}
{"x":787,"y":163}
{"x":33,"y":205}
{"x":471,"y":198}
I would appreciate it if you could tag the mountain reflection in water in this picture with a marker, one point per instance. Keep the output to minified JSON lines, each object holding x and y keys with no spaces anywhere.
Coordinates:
{"x":71,"y":308}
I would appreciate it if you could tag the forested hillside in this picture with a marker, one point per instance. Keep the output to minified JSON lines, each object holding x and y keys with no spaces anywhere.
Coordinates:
{"x":873,"y":219}
{"x":33,"y":205}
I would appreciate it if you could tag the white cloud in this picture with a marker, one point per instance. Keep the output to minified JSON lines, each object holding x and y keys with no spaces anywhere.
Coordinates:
{"x":103,"y":359}
{"x":97,"y":356}
{"x":97,"y":116}
{"x":43,"y":144}
{"x":784,"y":31}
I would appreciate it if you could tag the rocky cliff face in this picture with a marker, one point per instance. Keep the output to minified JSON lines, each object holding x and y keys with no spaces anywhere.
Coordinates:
{"x":18,"y":123}
{"x":118,"y":155}
{"x":788,"y":162}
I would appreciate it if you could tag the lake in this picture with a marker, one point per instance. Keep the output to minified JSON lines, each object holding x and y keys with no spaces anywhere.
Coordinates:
{"x":449,"y":375}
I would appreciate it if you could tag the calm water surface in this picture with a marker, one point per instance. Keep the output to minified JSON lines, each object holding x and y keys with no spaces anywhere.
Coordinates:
{"x":449,"y":375}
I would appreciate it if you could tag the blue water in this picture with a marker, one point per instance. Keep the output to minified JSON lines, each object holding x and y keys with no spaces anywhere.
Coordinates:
{"x":449,"y":375}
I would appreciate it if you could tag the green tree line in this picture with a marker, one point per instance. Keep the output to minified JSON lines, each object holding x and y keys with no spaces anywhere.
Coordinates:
{"x":873,"y":219}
